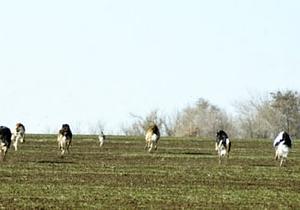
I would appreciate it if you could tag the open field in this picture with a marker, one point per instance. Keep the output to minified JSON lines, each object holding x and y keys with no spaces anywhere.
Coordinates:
{"x":181,"y":174}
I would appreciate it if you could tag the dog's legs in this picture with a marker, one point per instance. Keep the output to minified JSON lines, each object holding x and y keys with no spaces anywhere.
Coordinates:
{"x":276,"y":155}
{"x":150,"y":147}
{"x":155,"y":145}
{"x":1,"y":155}
{"x":216,"y":146}
{"x":146,"y":145}
{"x":15,"y":144}
{"x":62,"y":153}
{"x":281,"y":161}
{"x":3,"y":151}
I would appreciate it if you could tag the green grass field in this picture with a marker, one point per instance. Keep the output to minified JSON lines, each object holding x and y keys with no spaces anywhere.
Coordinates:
{"x":181,"y":174}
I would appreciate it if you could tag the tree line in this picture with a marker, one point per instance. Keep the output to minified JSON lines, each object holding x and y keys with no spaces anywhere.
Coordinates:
{"x":257,"y":117}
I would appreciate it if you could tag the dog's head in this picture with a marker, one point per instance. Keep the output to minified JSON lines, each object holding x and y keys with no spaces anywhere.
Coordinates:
{"x":221,"y":136}
{"x":287,"y":140}
{"x":65,"y":127}
{"x":65,"y":131}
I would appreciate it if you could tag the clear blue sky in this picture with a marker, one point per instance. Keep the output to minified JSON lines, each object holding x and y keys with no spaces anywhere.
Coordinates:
{"x":82,"y":61}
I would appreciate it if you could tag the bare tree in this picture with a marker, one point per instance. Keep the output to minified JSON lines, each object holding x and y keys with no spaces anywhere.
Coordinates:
{"x":169,"y":124}
{"x":264,"y":117}
{"x":256,"y":118}
{"x":288,"y":105}
{"x":202,"y":119}
{"x":259,"y":117}
{"x":97,"y":127}
{"x":76,"y":127}
{"x":140,"y":123}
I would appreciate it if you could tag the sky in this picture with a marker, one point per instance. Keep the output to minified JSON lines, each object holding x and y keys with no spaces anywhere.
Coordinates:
{"x":83,"y":62}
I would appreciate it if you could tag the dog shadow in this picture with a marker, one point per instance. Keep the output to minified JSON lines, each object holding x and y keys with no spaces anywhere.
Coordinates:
{"x":62,"y":161}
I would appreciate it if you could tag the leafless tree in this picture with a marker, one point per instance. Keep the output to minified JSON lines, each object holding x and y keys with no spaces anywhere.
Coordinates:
{"x":140,"y":123}
{"x":261,"y":116}
{"x":97,"y":127}
{"x":202,"y":119}
{"x":287,"y":104}
{"x":265,"y":116}
{"x":76,"y":127}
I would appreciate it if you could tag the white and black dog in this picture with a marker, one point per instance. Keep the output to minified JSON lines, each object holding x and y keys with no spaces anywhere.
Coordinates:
{"x":152,"y":136}
{"x":5,"y":141}
{"x":101,"y":138}
{"x":64,"y":138}
{"x":18,"y":135}
{"x":222,"y":145}
{"x":282,"y":144}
